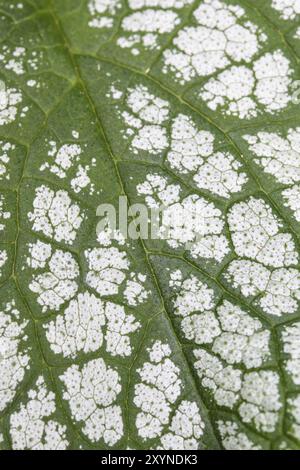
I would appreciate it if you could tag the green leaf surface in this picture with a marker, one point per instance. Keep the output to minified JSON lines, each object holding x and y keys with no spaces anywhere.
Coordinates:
{"x":190,"y":341}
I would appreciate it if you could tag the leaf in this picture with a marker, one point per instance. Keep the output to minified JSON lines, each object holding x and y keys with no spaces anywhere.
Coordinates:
{"x":189,"y":339}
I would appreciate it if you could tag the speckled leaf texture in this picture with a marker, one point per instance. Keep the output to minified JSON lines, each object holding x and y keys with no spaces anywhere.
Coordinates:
{"x":190,"y":341}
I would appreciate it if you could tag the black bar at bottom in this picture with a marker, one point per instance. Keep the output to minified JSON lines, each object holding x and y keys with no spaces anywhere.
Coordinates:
{"x":137,"y":459}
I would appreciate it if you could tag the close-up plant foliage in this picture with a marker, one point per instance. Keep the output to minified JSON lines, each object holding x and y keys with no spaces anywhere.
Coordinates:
{"x":149,"y":225}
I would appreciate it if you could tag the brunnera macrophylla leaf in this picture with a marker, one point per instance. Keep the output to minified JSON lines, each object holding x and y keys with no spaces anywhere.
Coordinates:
{"x":189,"y":339}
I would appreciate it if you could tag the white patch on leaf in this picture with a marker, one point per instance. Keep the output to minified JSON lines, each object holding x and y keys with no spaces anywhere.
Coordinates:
{"x":103,"y":12}
{"x":165,"y":4}
{"x":291,"y":347}
{"x":159,"y":389}
{"x":119,"y":327}
{"x":223,"y":35}
{"x":65,"y":161}
{"x":64,"y":158}
{"x":291,"y":197}
{"x":255,"y":394}
{"x":191,"y":294}
{"x":192,"y":152}
{"x":279,"y":289}
{"x":149,"y":20}
{"x":10,"y":100}
{"x":91,"y":391}
{"x":261,"y":400}
{"x":134,"y":292}
{"x":186,"y":429}
{"x":79,"y":328}
{"x":224,"y":381}
{"x":3,"y":257}
{"x":54,"y":215}
{"x":19,"y":60}
{"x":155,"y":397}
{"x":82,"y":179}
{"x":243,"y":340}
{"x":193,"y":222}
{"x":289,"y":9}
{"x":247,"y":91}
{"x":277,"y":155}
{"x":294,"y":410}
{"x":144,"y":118}
{"x":13,"y":59}
{"x":233,"y":334}
{"x":5,"y":157}
{"x":86,"y":322}
{"x":31,"y":426}
{"x":256,"y":234}
{"x":14,"y":360}
{"x":233,"y":438}
{"x":58,"y":283}
{"x":109,"y":271}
